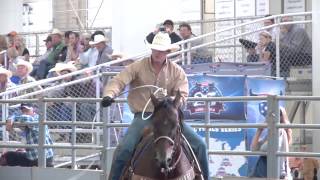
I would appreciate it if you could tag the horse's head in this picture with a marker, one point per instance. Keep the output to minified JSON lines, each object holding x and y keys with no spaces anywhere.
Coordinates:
{"x":166,"y":120}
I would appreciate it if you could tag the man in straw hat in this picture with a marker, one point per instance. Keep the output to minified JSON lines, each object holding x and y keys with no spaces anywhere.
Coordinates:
{"x":105,"y":51}
{"x":24,"y":68}
{"x":153,"y":70}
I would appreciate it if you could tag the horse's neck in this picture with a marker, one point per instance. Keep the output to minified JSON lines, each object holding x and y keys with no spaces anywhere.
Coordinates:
{"x":144,"y":164}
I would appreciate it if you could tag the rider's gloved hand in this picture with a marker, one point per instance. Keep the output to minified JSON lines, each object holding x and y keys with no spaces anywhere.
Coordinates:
{"x":107,"y":101}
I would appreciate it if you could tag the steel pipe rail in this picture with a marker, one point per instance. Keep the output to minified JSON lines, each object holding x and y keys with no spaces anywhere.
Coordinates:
{"x":238,"y":153}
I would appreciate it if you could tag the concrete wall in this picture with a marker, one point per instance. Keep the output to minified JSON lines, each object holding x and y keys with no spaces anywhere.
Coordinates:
{"x":11,"y":16}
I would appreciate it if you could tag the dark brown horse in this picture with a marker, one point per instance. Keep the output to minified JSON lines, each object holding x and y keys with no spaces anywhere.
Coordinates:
{"x":163,"y":154}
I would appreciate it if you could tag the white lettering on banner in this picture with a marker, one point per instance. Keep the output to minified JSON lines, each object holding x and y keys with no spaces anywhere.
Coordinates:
{"x":262,"y":7}
{"x":220,"y":129}
{"x":224,"y":8}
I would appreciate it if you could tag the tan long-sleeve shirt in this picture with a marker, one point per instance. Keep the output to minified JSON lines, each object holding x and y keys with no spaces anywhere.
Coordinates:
{"x":171,"y":77}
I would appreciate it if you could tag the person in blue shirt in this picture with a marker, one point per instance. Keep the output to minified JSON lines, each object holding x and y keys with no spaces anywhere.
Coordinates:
{"x":29,"y":157}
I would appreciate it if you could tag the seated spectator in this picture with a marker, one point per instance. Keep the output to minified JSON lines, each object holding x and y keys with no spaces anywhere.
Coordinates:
{"x":3,"y":46}
{"x":29,"y":157}
{"x":20,"y":47}
{"x":11,"y":36}
{"x":24,"y":69}
{"x":267,"y":50}
{"x":73,"y":47}
{"x":168,"y":26}
{"x":200,"y":55}
{"x":48,"y":43}
{"x":12,"y":55}
{"x":5,"y":81}
{"x":295,"y":47}
{"x":89,"y":57}
{"x":58,"y":54}
{"x":104,"y":50}
{"x":251,"y":50}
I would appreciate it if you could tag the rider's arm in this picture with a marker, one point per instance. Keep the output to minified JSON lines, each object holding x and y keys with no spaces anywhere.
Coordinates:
{"x":118,"y":83}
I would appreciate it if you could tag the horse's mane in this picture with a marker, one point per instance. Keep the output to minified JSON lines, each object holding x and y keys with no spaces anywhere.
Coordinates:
{"x":167,"y":102}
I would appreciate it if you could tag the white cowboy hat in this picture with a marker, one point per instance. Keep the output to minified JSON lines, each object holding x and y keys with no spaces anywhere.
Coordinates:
{"x":6,"y":72}
{"x":56,"y":31}
{"x":63,"y":66}
{"x":162,"y":42}
{"x":22,"y":62}
{"x":98,"y":39}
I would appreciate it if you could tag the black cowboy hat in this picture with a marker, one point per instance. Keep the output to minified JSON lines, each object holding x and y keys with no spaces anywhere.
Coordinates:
{"x":248,"y":44}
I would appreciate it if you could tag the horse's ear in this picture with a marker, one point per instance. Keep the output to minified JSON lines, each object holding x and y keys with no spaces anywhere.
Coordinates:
{"x":154,"y":100}
{"x":177,"y":99}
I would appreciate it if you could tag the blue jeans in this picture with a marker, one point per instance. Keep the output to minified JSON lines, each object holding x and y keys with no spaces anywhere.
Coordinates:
{"x":125,"y":149}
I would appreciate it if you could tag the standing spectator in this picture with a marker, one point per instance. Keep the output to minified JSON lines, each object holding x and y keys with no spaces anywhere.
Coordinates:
{"x":29,"y":157}
{"x":20,"y":47}
{"x":261,"y":143}
{"x":295,"y":47}
{"x":270,"y":22}
{"x":200,"y":55}
{"x":73,"y":47}
{"x":105,"y":51}
{"x":58,"y":54}
{"x":168,"y":26}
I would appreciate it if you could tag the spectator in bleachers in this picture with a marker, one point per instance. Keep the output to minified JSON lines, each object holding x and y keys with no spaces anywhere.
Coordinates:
{"x":29,"y":157}
{"x":88,"y":58}
{"x":267,"y":50}
{"x":295,"y":46}
{"x":20,"y":47}
{"x":104,"y":50}
{"x":168,"y":26}
{"x":48,"y":44}
{"x":11,"y":36}
{"x":270,"y":22}
{"x":250,"y":46}
{"x":73,"y":47}
{"x":66,"y":37}
{"x":3,"y":46}
{"x":12,"y":55}
{"x":5,"y":81}
{"x":200,"y":55}
{"x":58,"y":54}
{"x":24,"y":68}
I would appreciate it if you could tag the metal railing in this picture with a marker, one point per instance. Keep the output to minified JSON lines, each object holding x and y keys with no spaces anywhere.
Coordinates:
{"x":272,"y":123}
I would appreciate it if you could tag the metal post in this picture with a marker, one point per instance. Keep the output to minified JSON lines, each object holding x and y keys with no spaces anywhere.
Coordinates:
{"x":74,"y":136}
{"x":41,"y":150}
{"x":277,"y":21}
{"x":207,"y":121}
{"x":273,"y":134}
{"x":106,"y":135}
{"x":183,"y":57}
{"x":189,"y":53}
{"x":303,"y":121}
{"x":98,"y":84}
{"x":37,"y":45}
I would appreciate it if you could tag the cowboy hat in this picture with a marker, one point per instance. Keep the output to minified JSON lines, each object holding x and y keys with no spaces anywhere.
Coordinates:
{"x":248,"y":44}
{"x":22,"y":62}
{"x":98,"y":39}
{"x":6,"y":72}
{"x":28,"y":106}
{"x":63,"y":67}
{"x":56,"y":31}
{"x":162,"y":42}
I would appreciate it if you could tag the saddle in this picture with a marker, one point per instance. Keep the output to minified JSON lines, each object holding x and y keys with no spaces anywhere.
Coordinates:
{"x":144,"y":144}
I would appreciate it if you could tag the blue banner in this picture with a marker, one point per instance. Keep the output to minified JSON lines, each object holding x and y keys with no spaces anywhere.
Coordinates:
{"x":215,"y":86}
{"x":226,"y":139}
